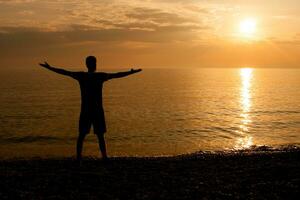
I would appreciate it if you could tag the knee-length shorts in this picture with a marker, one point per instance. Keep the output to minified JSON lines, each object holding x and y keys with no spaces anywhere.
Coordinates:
{"x":95,"y":118}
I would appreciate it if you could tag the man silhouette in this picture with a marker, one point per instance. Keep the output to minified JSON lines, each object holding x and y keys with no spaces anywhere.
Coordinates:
{"x":92,"y":113}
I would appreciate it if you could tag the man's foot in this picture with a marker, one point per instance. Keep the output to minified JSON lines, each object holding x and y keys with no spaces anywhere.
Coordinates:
{"x":78,"y":162}
{"x":105,"y":159}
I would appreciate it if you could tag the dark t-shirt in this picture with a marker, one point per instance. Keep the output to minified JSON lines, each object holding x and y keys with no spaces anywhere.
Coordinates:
{"x":91,"y":89}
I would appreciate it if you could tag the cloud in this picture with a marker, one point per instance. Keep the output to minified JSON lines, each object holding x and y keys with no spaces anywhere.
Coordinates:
{"x":15,"y":1}
{"x":104,"y":21}
{"x":138,"y":32}
{"x":26,"y":12}
{"x":156,"y":16}
{"x":119,"y":45}
{"x":292,"y":42}
{"x":61,"y":15}
{"x":161,"y":28}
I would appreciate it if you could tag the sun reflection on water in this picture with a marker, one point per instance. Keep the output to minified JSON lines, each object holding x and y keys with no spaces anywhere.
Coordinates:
{"x":245,"y":141}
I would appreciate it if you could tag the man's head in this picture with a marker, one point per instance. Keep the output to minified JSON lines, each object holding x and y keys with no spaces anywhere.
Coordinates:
{"x":91,"y":63}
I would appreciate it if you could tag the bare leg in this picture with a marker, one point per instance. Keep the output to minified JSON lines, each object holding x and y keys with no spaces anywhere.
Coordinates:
{"x":102,"y":146}
{"x":79,"y":146}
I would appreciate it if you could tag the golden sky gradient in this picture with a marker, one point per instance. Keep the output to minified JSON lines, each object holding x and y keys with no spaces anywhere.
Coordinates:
{"x":150,"y":33}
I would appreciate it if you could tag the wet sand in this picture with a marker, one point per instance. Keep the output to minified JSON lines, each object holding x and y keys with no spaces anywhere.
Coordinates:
{"x":260,"y":174}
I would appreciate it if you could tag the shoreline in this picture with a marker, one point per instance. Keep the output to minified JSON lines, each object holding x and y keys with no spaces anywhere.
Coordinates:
{"x":261,"y":174}
{"x":251,"y":149}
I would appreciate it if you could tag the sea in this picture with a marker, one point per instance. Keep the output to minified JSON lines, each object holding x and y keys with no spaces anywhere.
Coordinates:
{"x":157,"y":112}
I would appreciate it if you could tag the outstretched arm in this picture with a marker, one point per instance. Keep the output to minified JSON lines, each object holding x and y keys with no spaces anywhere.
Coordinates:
{"x":57,"y":70}
{"x":123,"y":74}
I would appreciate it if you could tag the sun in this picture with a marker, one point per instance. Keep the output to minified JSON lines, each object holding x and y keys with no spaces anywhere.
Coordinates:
{"x":248,"y":27}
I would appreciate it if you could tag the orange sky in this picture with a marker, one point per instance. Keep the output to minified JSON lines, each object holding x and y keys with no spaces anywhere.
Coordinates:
{"x":149,"y":33}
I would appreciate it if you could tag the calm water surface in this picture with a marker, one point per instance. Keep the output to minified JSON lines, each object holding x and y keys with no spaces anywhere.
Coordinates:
{"x":157,"y":112}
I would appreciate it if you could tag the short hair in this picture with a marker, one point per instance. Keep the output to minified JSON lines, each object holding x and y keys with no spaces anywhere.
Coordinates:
{"x":90,"y":59}
{"x":90,"y":62}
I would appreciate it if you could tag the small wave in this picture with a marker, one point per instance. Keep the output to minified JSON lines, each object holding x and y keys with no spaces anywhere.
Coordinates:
{"x":294,"y":147}
{"x":30,"y":139}
{"x":230,"y":130}
{"x":285,"y":147}
{"x":276,"y":112}
{"x":264,"y":148}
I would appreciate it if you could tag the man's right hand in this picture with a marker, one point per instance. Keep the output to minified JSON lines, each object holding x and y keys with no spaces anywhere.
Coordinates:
{"x":45,"y":64}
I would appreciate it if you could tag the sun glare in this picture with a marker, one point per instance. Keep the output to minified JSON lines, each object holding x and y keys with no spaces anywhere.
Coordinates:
{"x":248,"y":27}
{"x":245,"y":141}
